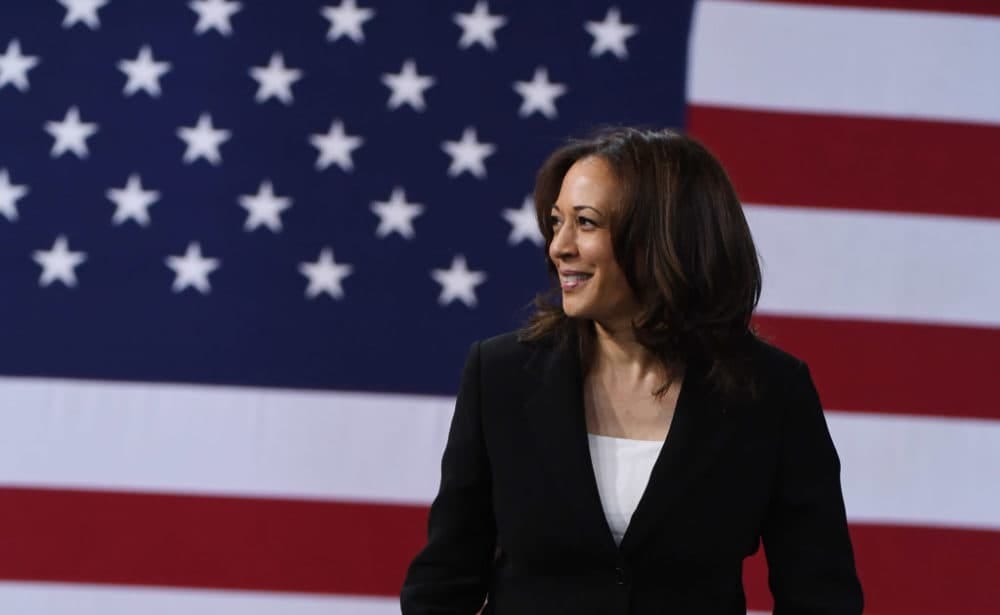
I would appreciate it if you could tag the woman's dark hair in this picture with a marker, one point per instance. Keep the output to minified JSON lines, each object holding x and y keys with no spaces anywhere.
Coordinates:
{"x":679,"y":234}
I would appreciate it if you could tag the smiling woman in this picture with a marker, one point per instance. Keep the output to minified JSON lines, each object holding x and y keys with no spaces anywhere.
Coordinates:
{"x":636,"y":441}
{"x":662,"y":206}
{"x":593,"y":284}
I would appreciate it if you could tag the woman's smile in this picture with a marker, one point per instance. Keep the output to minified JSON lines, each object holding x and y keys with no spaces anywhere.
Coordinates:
{"x":572,"y":280}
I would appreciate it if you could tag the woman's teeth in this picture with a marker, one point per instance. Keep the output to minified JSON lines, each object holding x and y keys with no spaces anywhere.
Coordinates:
{"x":573,"y":280}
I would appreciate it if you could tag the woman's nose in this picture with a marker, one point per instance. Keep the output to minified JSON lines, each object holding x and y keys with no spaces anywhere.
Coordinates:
{"x":563,"y":244}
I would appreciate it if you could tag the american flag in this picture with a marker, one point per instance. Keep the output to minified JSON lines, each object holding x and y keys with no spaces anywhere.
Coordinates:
{"x":245,"y":245}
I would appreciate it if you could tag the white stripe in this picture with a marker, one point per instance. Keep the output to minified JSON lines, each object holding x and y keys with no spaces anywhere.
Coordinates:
{"x":847,"y":61}
{"x":66,"y":599}
{"x":881,"y":266}
{"x":335,"y":445}
{"x":221,"y":440}
{"x":919,"y":470}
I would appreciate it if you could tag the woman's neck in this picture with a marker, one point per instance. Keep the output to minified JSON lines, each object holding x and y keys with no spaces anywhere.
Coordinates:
{"x":616,"y":348}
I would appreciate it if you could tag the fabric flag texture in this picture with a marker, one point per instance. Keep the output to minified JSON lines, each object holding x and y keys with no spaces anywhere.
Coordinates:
{"x":244,"y":247}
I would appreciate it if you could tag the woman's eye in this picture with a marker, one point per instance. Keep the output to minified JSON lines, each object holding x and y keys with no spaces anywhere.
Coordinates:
{"x":554,"y":221}
{"x":586,"y":222}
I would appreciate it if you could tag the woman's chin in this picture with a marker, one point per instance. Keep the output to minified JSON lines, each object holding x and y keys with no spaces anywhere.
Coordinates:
{"x":576,"y":312}
{"x":572,"y":308}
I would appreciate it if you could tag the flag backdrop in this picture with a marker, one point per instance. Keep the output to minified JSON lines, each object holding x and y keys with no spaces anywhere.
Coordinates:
{"x":244,"y":247}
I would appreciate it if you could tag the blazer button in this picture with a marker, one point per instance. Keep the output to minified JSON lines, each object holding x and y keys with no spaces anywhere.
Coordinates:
{"x":620,"y":576}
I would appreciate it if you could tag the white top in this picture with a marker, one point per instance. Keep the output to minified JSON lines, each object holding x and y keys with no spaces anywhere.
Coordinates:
{"x":622,"y":468}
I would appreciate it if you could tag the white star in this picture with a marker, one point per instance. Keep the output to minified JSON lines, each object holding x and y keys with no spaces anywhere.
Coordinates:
{"x":479,"y":26}
{"x":523,"y":224}
{"x":468,"y":154}
{"x":192,"y":269}
{"x":275,"y":79}
{"x":9,"y":195}
{"x":396,"y":214}
{"x":132,"y":202}
{"x":335,"y":147}
{"x":539,"y":94}
{"x":203,"y":140}
{"x":143,"y":73}
{"x":264,"y":208}
{"x":214,"y":14}
{"x":407,"y":86}
{"x":610,"y":34}
{"x":58,"y":263}
{"x":82,"y":10}
{"x":457,"y":282}
{"x":14,"y":67}
{"x":346,"y":19}
{"x":325,"y":275}
{"x":70,"y":134}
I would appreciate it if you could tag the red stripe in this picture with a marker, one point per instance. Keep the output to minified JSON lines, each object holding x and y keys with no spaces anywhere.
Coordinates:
{"x":207,"y":542}
{"x":912,"y":570}
{"x":971,"y":7}
{"x":894,"y":367}
{"x":854,"y":162}
{"x":331,"y":547}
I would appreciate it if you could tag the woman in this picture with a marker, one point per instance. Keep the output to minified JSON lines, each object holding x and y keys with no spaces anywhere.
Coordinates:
{"x":636,"y":441}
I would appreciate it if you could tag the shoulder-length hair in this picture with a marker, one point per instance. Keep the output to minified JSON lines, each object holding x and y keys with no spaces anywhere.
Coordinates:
{"x":679,"y":234}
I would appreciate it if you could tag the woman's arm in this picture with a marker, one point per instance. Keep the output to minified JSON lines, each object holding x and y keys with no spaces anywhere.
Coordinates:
{"x":451,"y":574}
{"x":809,"y":556}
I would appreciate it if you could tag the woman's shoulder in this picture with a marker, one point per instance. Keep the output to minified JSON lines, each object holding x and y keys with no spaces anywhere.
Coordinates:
{"x":776,"y":371}
{"x":511,"y":347}
{"x":779,"y":375}
{"x":768,"y":358}
{"x":504,"y":361}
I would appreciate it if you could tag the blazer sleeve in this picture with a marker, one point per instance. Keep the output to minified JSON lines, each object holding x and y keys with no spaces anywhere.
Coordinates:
{"x":809,"y":556}
{"x":451,"y":574}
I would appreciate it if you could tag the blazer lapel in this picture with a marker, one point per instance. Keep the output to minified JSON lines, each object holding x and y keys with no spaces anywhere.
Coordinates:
{"x":699,"y":431}
{"x":554,"y":411}
{"x":555,"y":417}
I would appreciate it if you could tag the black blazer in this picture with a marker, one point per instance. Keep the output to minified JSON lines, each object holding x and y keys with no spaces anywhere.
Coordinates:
{"x":518,"y":520}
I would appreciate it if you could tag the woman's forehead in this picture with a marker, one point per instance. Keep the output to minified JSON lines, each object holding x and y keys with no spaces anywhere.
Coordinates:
{"x":589,"y":182}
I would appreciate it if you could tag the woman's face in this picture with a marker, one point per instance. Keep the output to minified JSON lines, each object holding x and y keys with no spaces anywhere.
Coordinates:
{"x":593,"y":284}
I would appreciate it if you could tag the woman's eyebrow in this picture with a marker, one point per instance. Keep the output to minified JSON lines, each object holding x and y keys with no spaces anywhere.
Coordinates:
{"x":578,"y":208}
{"x":582,"y":207}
